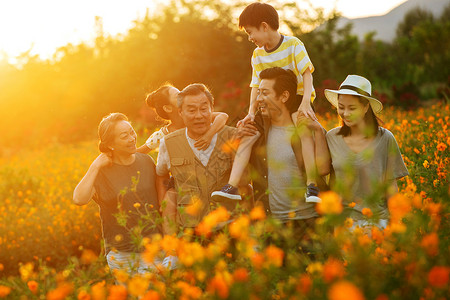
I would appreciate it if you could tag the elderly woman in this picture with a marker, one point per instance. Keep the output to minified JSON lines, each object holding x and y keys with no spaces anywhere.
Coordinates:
{"x":365,"y":157}
{"x":122,"y":183}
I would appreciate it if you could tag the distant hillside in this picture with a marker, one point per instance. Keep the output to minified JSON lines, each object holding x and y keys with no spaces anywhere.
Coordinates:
{"x":386,"y":25}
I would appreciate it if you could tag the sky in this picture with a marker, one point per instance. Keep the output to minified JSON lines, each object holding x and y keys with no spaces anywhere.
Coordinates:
{"x":41,"y":26}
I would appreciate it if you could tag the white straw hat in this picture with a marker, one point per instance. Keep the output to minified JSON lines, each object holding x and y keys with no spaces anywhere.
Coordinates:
{"x":357,"y":86}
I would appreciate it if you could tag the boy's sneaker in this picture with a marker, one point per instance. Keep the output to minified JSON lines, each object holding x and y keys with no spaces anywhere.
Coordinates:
{"x":312,"y":192}
{"x":228,"y":192}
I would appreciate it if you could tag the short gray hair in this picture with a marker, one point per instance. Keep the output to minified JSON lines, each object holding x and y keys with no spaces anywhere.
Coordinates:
{"x":193,"y":90}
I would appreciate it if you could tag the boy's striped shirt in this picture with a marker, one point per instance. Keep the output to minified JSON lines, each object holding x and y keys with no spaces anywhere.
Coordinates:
{"x":291,"y":54}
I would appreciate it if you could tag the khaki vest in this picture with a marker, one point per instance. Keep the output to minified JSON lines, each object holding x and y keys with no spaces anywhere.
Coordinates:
{"x":193,"y":181}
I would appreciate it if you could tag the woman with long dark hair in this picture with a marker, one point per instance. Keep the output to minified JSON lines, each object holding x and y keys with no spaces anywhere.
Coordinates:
{"x":365,"y":157}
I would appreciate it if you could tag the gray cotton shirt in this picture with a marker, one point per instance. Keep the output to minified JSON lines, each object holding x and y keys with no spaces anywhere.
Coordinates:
{"x":114,"y":185}
{"x":287,"y":184}
{"x":363,"y":177}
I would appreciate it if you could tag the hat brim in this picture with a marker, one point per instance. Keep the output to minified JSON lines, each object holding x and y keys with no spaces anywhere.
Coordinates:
{"x":332,"y":97}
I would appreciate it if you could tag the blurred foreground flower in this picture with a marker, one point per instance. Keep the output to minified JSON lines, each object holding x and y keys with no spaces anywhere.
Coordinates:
{"x":88,"y":257}
{"x":438,"y":276}
{"x":4,"y":291}
{"x":331,"y":203}
{"x":344,"y":290}
{"x":33,"y":286}
{"x":61,"y":292}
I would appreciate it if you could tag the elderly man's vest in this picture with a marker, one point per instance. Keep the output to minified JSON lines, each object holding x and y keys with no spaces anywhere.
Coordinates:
{"x":193,"y":181}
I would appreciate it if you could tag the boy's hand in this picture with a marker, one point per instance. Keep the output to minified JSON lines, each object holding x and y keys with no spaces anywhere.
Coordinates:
{"x":306,"y":109}
{"x":312,"y":125}
{"x":248,"y":118}
{"x":203,"y":142}
{"x":247,"y":129}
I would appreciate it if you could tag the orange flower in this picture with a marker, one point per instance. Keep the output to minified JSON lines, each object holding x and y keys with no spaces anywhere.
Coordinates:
{"x":377,"y":235}
{"x":240,"y":275}
{"x":257,"y":213}
{"x":83,"y":295}
{"x":61,"y":292}
{"x":438,"y":276}
{"x":441,"y":147}
{"x":304,"y":284}
{"x":211,"y":220}
{"x":399,"y":206}
{"x":344,"y":290}
{"x":217,"y":284}
{"x":331,"y":203}
{"x":117,"y":292}
{"x":137,"y":286}
{"x":33,"y":286}
{"x":257,"y":260}
{"x":367,"y":212}
{"x":4,"y":291}
{"x":332,"y":269}
{"x":239,"y":228}
{"x":348,"y":222}
{"x":169,"y":243}
{"x":98,"y":291}
{"x":430,"y":243}
{"x":352,"y":204}
{"x":151,"y":250}
{"x":151,"y":295}
{"x":88,"y":257}
{"x":195,"y":207}
{"x":274,"y":255}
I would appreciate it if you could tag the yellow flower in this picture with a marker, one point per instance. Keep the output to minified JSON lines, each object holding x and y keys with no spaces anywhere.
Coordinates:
{"x":426,"y":164}
{"x":195,"y":207}
{"x":239,"y":228}
{"x":257,"y":213}
{"x":331,"y":203}
{"x":137,"y":286}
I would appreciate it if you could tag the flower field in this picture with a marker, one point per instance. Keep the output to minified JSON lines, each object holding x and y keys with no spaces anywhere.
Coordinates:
{"x":51,"y":248}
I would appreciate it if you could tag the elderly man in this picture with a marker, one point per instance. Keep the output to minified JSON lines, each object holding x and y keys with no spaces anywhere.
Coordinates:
{"x":196,"y":172}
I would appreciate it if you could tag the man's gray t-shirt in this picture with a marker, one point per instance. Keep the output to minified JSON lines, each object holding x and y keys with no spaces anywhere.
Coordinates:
{"x":363,"y":176}
{"x":287,"y":184}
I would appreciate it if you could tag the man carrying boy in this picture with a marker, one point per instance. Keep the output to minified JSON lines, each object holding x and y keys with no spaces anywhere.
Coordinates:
{"x":277,"y":162}
{"x":260,"y":22}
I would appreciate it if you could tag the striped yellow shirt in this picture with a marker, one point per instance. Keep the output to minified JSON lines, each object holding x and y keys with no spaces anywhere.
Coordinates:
{"x":291,"y":54}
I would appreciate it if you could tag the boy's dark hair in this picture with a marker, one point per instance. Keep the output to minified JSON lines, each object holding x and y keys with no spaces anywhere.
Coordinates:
{"x":195,"y":89}
{"x":256,"y":13}
{"x":370,"y":118}
{"x":157,"y":99}
{"x":285,"y":80}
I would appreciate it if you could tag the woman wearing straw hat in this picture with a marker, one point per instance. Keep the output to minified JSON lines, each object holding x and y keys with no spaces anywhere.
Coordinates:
{"x":365,"y":157}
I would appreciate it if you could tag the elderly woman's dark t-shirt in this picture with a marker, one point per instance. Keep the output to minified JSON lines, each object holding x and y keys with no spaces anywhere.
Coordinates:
{"x":127,"y":190}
